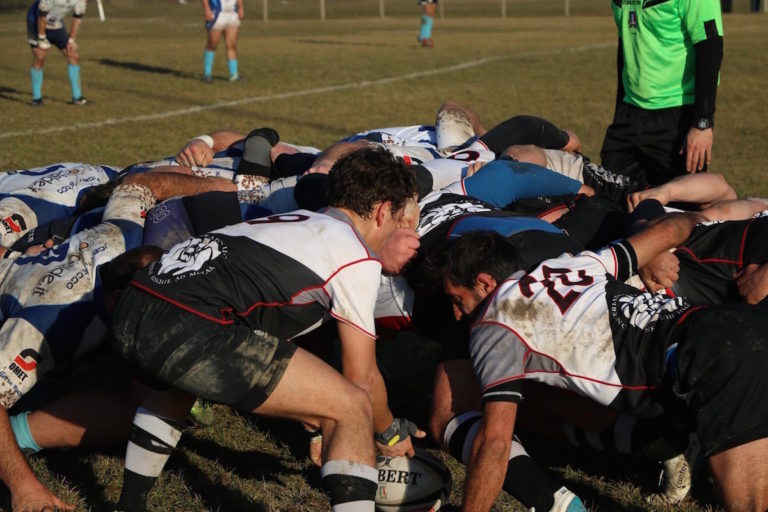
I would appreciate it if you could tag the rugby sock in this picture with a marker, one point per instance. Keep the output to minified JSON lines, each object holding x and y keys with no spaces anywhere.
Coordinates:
{"x":232,"y":67}
{"x":256,"y":157}
{"x":153,"y":439}
{"x":208,"y":56}
{"x":24,"y":439}
{"x":524,"y":479}
{"x":351,"y":486}
{"x":73,"y":70}
{"x":36,"y":75}
{"x":426,"y":27}
{"x":658,"y":439}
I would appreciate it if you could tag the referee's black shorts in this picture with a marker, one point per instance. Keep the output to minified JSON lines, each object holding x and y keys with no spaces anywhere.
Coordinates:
{"x":645,"y":144}
{"x":169,"y":347}
{"x":721,"y":373}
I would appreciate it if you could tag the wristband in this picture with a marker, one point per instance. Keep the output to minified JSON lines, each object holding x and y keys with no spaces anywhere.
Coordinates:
{"x":205,"y":138}
{"x":397,"y":431}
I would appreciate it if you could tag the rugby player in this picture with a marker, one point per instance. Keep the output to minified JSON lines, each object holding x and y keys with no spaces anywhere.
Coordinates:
{"x":252,"y":287}
{"x":45,"y":27}
{"x":49,"y":317}
{"x":571,"y":323}
{"x":222,"y":16}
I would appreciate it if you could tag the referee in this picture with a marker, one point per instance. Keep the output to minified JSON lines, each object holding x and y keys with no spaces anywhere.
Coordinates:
{"x":668,"y":62}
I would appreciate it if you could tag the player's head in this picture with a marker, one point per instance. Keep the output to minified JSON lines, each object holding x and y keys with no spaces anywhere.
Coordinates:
{"x":116,"y":274}
{"x":471,"y":267}
{"x":366,"y":177}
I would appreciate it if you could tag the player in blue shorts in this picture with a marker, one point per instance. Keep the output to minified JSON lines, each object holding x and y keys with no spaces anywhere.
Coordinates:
{"x":222,"y":16}
{"x":45,"y":27}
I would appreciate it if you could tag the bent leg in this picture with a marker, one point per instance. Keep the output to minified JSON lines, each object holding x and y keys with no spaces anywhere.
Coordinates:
{"x":741,"y":475}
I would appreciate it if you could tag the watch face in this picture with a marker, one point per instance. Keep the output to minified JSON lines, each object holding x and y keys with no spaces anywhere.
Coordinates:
{"x":703,"y":124}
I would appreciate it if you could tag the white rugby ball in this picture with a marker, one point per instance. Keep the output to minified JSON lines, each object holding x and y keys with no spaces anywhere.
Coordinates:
{"x":412,"y":484}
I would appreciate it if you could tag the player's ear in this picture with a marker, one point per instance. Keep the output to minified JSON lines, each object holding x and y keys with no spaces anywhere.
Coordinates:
{"x":382,"y":212}
{"x":485,"y":283}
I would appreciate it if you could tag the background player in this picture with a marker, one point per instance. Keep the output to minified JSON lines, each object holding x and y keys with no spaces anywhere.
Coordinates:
{"x":222,"y":16}
{"x":45,"y":27}
{"x":425,"y":34}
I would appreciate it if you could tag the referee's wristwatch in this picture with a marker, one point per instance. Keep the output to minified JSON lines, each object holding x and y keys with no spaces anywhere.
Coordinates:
{"x":704,"y":123}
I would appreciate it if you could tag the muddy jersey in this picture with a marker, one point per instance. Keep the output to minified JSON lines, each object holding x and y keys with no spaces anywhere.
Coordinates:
{"x":32,"y":197}
{"x":571,"y":323}
{"x":47,"y":301}
{"x":55,"y":11}
{"x":283,"y":274}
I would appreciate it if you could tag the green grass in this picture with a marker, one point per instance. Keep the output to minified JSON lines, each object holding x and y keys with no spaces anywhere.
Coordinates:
{"x":316,"y":82}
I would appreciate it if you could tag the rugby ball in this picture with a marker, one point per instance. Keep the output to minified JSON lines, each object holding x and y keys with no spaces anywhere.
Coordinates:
{"x":412,"y":484}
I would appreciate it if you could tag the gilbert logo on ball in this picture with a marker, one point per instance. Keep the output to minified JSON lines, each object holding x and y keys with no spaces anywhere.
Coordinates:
{"x":412,"y":484}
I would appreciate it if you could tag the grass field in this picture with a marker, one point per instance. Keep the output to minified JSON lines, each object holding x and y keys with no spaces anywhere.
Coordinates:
{"x":315,"y":82}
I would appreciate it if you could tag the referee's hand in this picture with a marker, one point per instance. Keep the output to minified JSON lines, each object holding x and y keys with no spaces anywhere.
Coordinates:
{"x":697,"y":149}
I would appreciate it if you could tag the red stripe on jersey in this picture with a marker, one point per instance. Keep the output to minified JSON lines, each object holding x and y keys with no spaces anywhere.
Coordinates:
{"x":709,"y":260}
{"x":685,"y":315}
{"x":180,"y":305}
{"x":560,"y":365}
{"x":340,"y":319}
{"x":552,"y":210}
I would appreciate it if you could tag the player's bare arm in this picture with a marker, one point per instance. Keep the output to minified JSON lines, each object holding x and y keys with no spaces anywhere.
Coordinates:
{"x":358,"y":355}
{"x":27,"y":493}
{"x":199,"y":151}
{"x":661,"y":235}
{"x":330,"y":155}
{"x":490,"y":455}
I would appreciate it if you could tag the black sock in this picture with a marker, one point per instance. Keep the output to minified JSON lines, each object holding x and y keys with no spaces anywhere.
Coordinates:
{"x":256,"y":157}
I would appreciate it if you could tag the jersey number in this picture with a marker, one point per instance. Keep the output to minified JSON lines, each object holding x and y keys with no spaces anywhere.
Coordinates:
{"x":563,"y":302}
{"x":286,"y":217}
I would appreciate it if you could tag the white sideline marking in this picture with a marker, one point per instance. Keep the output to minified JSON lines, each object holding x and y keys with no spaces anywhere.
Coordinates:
{"x":295,"y":94}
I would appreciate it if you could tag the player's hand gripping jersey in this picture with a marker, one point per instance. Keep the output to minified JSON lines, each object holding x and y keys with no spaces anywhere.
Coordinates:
{"x":47,"y":305}
{"x":570,"y":323}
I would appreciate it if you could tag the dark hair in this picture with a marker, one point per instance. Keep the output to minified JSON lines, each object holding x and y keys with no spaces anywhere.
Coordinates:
{"x":116,"y":274}
{"x":461,"y":260}
{"x":95,"y":197}
{"x":368,"y":176}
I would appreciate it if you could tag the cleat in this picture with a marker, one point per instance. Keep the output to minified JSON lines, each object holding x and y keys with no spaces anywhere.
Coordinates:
{"x":202,"y":413}
{"x":78,"y":101}
{"x":234,"y":78}
{"x":427,"y":43}
{"x":565,"y":501}
{"x":207,"y":79}
{"x":37,"y":102}
{"x":678,"y":474}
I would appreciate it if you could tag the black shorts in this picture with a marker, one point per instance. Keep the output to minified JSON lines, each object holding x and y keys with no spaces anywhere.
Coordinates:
{"x":713,"y":253}
{"x":594,"y":221}
{"x":645,"y":144}
{"x":721,"y":374}
{"x":57,"y":37}
{"x":230,"y":364}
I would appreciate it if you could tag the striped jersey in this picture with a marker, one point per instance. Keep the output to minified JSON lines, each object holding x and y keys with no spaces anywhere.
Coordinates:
{"x":55,"y":11}
{"x":47,"y":302}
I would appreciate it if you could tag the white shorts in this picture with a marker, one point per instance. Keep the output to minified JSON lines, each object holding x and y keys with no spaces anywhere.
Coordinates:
{"x":567,"y":164}
{"x":224,"y":20}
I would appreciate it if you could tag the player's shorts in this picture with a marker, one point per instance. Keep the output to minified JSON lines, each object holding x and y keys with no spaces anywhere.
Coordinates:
{"x":223,"y":20}
{"x":167,"y":346}
{"x":57,"y":37}
{"x":713,"y":253}
{"x":565,"y":163}
{"x":722,"y":357}
{"x":594,"y":221}
{"x":578,"y":167}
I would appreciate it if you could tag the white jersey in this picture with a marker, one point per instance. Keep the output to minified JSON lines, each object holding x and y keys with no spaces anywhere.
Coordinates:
{"x":570,"y":324}
{"x":47,"y":301}
{"x":453,"y":167}
{"x":57,"y":10}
